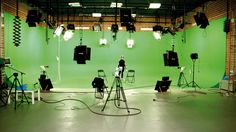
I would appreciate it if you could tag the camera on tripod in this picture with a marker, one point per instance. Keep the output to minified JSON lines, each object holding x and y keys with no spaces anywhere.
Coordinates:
{"x":15,"y":74}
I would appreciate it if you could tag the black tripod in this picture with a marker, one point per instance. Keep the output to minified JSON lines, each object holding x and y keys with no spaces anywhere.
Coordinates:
{"x":182,"y":79}
{"x":194,"y":84}
{"x":14,"y":85}
{"x":119,"y":92}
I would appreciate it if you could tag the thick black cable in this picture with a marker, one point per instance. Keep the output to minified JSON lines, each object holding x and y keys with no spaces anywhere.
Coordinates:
{"x":103,"y":114}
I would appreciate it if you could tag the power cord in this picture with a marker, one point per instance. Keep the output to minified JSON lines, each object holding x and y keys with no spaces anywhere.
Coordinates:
{"x":89,"y":107}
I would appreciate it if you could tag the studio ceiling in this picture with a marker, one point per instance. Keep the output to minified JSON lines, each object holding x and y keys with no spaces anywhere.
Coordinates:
{"x":169,"y":8}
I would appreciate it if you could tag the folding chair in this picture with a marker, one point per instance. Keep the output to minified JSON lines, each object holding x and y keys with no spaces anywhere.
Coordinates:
{"x":130,"y":77}
{"x":102,"y":74}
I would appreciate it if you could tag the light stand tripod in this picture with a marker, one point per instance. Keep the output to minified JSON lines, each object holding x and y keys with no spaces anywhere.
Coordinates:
{"x":182,"y":78}
{"x":194,"y":84}
{"x":119,"y":92}
{"x":14,"y":85}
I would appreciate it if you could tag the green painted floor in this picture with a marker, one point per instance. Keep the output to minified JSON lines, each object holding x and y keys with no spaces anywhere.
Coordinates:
{"x":178,"y":110}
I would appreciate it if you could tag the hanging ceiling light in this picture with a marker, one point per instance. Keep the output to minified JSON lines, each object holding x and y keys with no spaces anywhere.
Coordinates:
{"x":103,"y":41}
{"x":97,"y":27}
{"x":154,"y":5}
{"x":130,"y":43}
{"x":74,"y":4}
{"x":114,"y":4}
{"x":96,"y":14}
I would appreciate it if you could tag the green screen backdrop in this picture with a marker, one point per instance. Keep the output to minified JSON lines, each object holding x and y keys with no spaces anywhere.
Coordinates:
{"x":146,"y":57}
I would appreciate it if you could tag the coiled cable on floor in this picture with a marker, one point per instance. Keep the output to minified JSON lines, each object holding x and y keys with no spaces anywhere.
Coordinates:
{"x":17,"y":31}
{"x":104,"y":114}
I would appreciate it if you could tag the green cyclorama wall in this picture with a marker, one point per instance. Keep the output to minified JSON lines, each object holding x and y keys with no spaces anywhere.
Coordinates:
{"x":146,"y":57}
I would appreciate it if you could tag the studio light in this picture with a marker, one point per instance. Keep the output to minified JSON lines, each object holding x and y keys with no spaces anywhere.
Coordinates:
{"x":75,"y":4}
{"x":130,"y":43}
{"x":96,"y":14}
{"x":201,"y":20}
{"x":69,"y":32}
{"x":130,"y":28}
{"x":157,"y":28}
{"x":114,"y":28}
{"x":97,"y":27}
{"x":114,"y":4}
{"x":157,"y":35}
{"x":103,"y":41}
{"x":68,"y":35}
{"x":154,"y":5}
{"x":33,"y":17}
{"x":59,"y":30}
{"x":194,"y":56}
{"x":157,"y":31}
{"x":70,"y":27}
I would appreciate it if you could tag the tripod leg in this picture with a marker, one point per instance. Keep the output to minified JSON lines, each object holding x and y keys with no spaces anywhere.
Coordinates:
{"x":23,"y":93}
{"x":185,"y":80}
{"x":117,"y":96}
{"x":109,"y":94}
{"x":179,"y":80}
{"x":124,"y":98}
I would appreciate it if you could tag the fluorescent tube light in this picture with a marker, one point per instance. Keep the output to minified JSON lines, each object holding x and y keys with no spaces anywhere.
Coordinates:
{"x":83,"y":28}
{"x":113,"y":4}
{"x":154,"y":5}
{"x":96,"y":14}
{"x":74,"y":4}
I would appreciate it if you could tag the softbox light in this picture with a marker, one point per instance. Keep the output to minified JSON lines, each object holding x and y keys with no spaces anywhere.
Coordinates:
{"x":81,"y":54}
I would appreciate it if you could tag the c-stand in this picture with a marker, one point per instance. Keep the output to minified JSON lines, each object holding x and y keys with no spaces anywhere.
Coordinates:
{"x":14,"y":85}
{"x":119,"y":90}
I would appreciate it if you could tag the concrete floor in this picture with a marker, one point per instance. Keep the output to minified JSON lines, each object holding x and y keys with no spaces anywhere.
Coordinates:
{"x":178,"y":110}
